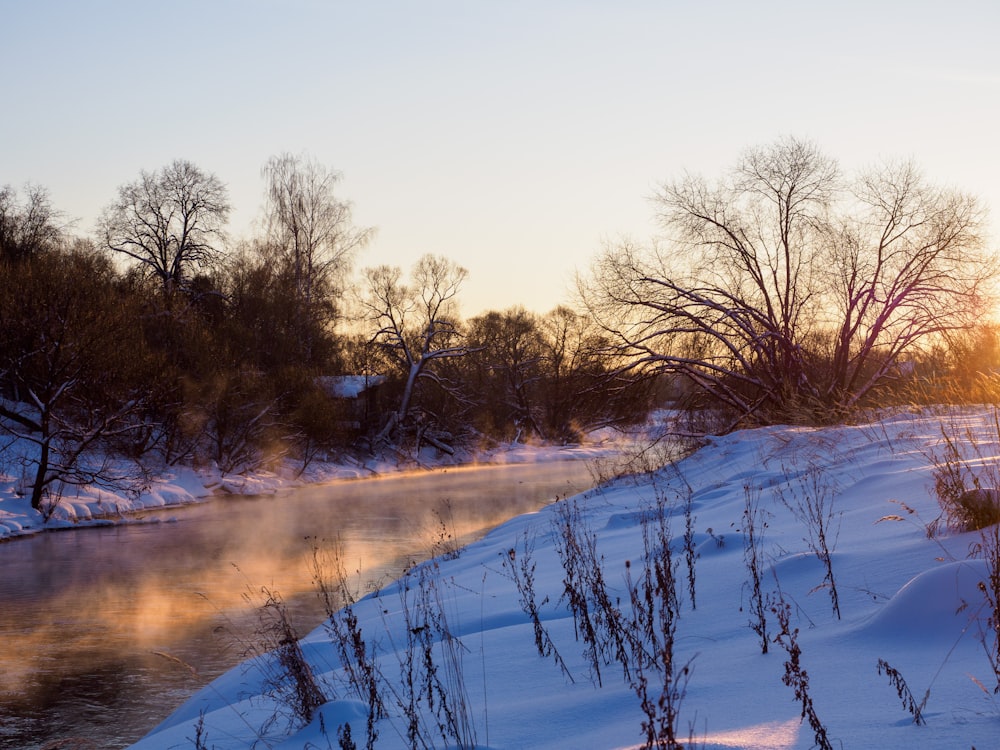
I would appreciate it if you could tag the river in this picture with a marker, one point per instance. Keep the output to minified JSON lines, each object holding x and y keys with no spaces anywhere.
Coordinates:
{"x":105,"y":631}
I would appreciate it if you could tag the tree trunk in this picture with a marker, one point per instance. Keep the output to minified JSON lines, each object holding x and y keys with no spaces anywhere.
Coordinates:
{"x":411,"y":379}
{"x":38,"y":488}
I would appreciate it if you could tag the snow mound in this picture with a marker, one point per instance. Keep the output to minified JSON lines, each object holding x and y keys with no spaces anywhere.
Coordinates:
{"x":942,"y":602}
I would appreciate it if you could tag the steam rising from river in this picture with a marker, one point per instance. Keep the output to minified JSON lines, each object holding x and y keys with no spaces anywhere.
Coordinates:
{"x":146,"y":614}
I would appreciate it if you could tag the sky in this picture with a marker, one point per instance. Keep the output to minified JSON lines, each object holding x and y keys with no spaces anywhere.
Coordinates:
{"x":514,"y":137}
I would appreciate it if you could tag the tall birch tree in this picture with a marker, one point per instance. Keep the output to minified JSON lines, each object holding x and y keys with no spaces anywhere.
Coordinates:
{"x":312,"y":233}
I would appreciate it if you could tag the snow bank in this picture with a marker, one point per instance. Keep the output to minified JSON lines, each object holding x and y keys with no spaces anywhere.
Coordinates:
{"x":905,"y":598}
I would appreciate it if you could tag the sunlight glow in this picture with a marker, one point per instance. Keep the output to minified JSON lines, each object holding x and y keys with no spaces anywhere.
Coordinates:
{"x":772,"y":735}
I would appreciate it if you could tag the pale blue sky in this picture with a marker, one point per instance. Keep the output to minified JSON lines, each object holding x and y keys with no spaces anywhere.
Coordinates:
{"x":510,"y":136}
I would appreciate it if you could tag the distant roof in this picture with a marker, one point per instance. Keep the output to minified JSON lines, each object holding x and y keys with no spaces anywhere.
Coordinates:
{"x":348,"y":386}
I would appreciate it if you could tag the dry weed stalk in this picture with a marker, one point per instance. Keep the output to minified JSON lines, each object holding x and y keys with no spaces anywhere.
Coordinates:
{"x":521,"y":570}
{"x":288,"y":675}
{"x":810,"y":498}
{"x":431,"y":667}
{"x":903,"y":691}
{"x":596,"y":619}
{"x":655,"y":616}
{"x":989,"y":548}
{"x":357,"y":656}
{"x":754,"y":524}
{"x":642,"y":642}
{"x":795,"y":676}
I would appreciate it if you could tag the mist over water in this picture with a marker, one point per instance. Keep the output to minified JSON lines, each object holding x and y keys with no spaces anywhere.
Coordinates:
{"x":104,"y":631}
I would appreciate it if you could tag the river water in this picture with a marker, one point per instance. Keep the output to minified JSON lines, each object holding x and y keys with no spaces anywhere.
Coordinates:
{"x":105,"y":631}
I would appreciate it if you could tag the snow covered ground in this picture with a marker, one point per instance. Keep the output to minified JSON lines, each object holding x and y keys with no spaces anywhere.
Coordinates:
{"x":905,"y":598}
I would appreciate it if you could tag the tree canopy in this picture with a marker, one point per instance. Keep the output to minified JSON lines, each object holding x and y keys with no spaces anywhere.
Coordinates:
{"x":169,"y":221}
{"x":784,"y":290}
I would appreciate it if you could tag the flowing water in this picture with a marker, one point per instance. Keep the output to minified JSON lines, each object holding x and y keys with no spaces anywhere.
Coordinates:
{"x":105,"y":631}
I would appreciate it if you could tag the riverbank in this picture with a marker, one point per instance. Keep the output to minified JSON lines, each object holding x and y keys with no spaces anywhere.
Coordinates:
{"x":106,"y":631}
{"x":173,"y":486}
{"x":886,"y":642}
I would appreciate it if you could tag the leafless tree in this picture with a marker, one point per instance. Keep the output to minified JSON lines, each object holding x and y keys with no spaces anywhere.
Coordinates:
{"x":509,"y":369}
{"x":311,"y":230}
{"x":415,"y":323}
{"x":169,"y":221}
{"x":585,"y":383}
{"x":72,"y":370}
{"x":784,"y":290}
{"x":569,"y":354}
{"x":27,"y":226}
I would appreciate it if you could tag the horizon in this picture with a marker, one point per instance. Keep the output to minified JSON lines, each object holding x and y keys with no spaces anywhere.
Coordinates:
{"x":514,"y":140}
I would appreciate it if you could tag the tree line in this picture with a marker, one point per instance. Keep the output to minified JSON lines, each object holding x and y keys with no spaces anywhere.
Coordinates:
{"x":785,"y":291}
{"x":160,"y":341}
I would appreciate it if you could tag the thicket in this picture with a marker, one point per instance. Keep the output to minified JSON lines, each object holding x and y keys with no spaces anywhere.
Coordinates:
{"x":202,"y":354}
{"x":159,"y":337}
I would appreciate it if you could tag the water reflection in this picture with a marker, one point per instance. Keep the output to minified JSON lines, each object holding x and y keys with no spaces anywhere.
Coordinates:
{"x":105,"y":631}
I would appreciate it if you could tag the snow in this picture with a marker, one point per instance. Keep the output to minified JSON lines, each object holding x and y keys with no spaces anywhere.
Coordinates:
{"x":906,"y":598}
{"x":349,"y":386}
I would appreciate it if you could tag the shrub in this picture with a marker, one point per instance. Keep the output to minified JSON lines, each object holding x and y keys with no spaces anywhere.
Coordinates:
{"x":966,"y":474}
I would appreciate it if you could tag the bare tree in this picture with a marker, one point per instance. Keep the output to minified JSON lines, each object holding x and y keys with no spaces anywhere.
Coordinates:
{"x":568,"y":354}
{"x":509,"y":369}
{"x":911,"y":268}
{"x":784,"y":291}
{"x":311,"y":230}
{"x":416,"y":323}
{"x":72,"y":370}
{"x":585,"y":385}
{"x":27,"y":226}
{"x":168,"y":221}
{"x":553,"y":376}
